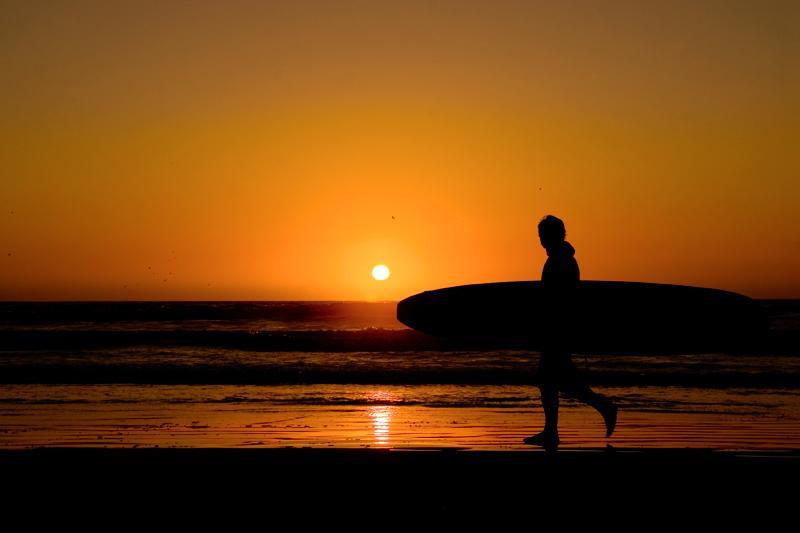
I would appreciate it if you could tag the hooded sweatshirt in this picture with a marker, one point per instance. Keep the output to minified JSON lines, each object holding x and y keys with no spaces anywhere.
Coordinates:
{"x":560,"y":278}
{"x":561,"y":270}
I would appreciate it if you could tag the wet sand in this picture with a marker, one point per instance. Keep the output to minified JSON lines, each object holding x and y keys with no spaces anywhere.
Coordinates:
{"x":393,"y":427}
{"x":123,"y":416}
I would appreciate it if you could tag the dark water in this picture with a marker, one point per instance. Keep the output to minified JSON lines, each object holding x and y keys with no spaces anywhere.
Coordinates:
{"x":274,"y":343}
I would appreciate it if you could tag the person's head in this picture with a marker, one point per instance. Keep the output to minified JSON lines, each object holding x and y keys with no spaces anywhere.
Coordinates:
{"x":551,"y":231}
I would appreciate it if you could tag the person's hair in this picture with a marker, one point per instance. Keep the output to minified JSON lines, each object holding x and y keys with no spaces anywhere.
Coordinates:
{"x":552,"y":227}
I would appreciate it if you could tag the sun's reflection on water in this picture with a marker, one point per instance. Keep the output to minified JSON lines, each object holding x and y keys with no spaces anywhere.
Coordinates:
{"x":381,"y":419}
{"x":381,"y":416}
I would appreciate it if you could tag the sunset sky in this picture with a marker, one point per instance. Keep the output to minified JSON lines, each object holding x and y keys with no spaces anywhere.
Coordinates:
{"x":281,"y":150}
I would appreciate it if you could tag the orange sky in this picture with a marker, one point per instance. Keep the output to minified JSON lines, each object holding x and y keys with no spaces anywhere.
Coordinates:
{"x":259,"y":150}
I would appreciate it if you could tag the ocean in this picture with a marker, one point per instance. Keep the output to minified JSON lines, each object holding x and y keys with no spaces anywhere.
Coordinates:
{"x":347,"y":374}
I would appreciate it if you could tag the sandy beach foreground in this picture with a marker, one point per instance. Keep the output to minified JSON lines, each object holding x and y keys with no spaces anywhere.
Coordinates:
{"x":354,"y":485}
{"x":190,"y":454}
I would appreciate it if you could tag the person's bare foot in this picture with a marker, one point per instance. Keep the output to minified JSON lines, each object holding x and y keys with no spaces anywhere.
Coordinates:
{"x":545,"y":439}
{"x":610,"y":418}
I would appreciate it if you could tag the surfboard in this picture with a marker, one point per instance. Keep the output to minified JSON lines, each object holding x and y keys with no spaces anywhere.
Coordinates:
{"x":600,"y":316}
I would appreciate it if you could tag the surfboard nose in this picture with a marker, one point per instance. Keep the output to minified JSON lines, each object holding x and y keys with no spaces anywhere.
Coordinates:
{"x":429,"y":312}
{"x":407,"y":309}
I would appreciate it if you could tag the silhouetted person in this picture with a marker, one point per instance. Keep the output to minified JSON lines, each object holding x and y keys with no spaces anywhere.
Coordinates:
{"x":557,"y":373}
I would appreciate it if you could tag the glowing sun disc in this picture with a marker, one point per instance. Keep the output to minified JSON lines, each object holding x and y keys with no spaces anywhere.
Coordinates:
{"x":380,"y":272}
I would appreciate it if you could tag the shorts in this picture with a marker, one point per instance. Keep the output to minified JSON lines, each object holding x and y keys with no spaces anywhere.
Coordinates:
{"x":557,"y":368}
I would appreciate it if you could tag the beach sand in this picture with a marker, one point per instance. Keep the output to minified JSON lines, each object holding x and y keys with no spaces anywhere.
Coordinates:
{"x":189,"y":455}
{"x":384,"y":417}
{"x":381,"y":489}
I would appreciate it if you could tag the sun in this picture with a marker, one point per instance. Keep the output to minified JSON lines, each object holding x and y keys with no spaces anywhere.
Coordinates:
{"x":380,"y":272}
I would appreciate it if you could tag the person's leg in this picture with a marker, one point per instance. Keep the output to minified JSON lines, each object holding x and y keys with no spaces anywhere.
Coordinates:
{"x":549,"y":396}
{"x":575,"y":386}
{"x":548,"y":390}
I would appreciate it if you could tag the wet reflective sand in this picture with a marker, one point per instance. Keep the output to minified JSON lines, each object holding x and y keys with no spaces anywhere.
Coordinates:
{"x":387,"y":417}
